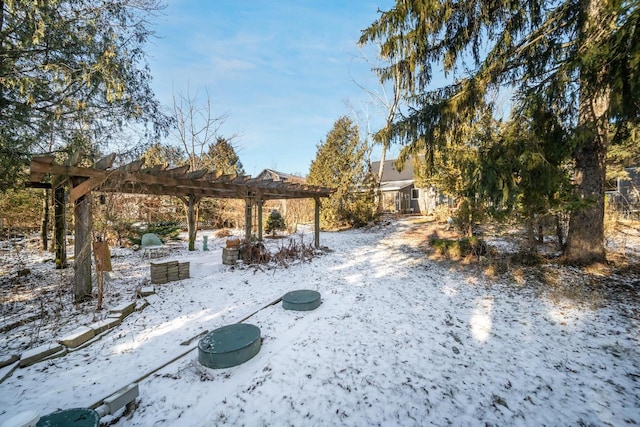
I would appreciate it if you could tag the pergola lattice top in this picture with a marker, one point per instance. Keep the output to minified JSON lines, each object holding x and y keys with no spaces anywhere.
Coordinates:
{"x":157,"y":180}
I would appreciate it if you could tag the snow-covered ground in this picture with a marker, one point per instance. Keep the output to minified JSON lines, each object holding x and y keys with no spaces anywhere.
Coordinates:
{"x":399,"y":339}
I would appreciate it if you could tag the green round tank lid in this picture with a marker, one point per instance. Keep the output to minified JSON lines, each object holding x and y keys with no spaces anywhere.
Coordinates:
{"x":78,"y":417}
{"x":229,"y":345}
{"x":301,"y":300}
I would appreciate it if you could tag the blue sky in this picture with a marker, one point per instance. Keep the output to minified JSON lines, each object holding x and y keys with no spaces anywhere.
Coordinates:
{"x":281,"y":70}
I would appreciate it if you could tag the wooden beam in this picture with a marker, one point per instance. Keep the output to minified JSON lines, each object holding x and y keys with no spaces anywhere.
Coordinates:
{"x":106,"y":162}
{"x":209,"y":177}
{"x":176,"y":172}
{"x":223,"y":187}
{"x":39,"y":176}
{"x":265,"y":181}
{"x":247,"y":218}
{"x":59,"y":181}
{"x":85,"y":187}
{"x":42,"y":159}
{"x":60,"y":227}
{"x":226,"y":179}
{"x":242,"y":179}
{"x":196,"y":174}
{"x":260,"y":201}
{"x":154,"y":170}
{"x":63,"y":170}
{"x":45,"y":185}
{"x":82,"y":248}
{"x":191,"y":221}
{"x":159,"y":190}
{"x":134,"y":166}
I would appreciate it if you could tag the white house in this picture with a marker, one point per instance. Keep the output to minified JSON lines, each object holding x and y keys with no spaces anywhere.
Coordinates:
{"x":400,"y":193}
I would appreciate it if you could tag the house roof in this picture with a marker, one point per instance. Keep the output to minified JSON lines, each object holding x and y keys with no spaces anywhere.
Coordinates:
{"x":395,"y":185}
{"x":279,"y":176}
{"x":391,"y":173}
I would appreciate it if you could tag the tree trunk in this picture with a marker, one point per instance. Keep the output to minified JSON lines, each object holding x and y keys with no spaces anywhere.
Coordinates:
{"x":585,"y":239}
{"x":540,"y":234}
{"x":559,"y":233}
{"x":531,"y":238}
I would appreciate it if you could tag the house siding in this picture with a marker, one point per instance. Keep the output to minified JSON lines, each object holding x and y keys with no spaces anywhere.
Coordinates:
{"x":396,"y":187}
{"x":626,"y":198}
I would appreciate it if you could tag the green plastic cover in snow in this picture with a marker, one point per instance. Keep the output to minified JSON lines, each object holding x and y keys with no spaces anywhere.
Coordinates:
{"x":302,"y":300}
{"x":150,"y":239}
{"x":229,"y":346}
{"x":78,"y":417}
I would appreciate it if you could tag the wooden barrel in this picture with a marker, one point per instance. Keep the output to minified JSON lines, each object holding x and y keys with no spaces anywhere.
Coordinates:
{"x":230,"y":256}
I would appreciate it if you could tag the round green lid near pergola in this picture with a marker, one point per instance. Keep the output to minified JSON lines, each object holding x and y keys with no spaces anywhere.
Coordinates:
{"x":229,"y":346}
{"x":78,"y":417}
{"x":301,"y":300}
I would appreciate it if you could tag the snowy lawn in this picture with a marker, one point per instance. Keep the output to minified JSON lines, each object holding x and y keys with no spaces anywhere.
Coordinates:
{"x":400,"y":339}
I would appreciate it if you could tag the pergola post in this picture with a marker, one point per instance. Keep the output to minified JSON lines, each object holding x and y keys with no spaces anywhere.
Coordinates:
{"x":316,"y":230}
{"x":44,"y":228}
{"x":260,"y":202}
{"x":191,"y":221}
{"x":247,"y":219}
{"x":82,"y":248}
{"x":59,"y":227}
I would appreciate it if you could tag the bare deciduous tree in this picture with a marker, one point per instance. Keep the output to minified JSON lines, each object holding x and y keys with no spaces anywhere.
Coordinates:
{"x":197,"y":129}
{"x":388,"y":98}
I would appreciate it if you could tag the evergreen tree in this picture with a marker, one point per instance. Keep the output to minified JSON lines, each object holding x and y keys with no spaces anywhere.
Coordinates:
{"x":166,"y":155}
{"x":21,"y":208}
{"x":523,"y":169}
{"x":275,"y":221}
{"x":340,"y":164}
{"x":221,"y":157}
{"x":571,"y":54}
{"x":71,"y":67}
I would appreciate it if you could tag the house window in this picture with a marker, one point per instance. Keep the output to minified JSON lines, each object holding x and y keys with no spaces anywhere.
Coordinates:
{"x":415,"y":193}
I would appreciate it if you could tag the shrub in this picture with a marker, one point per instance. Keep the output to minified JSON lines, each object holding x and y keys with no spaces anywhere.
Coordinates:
{"x":456,"y":249}
{"x":223,"y":232}
{"x":441,"y":213}
{"x":467,"y":216}
{"x":274,"y":222}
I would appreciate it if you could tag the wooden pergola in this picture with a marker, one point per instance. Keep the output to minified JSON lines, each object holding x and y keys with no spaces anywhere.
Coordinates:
{"x":189,"y":186}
